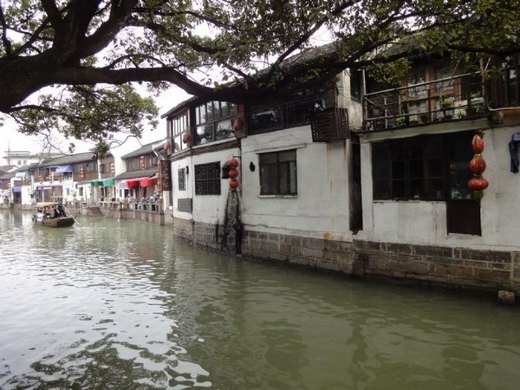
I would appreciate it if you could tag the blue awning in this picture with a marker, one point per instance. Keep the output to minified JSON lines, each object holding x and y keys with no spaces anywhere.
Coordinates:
{"x":64,"y":169}
{"x":16,"y":189}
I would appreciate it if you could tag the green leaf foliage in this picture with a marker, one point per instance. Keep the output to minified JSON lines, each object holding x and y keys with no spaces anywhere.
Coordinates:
{"x":218,"y":49}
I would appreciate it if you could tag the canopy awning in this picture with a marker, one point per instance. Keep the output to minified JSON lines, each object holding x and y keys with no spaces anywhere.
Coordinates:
{"x":148,"y":182}
{"x":16,"y":189}
{"x":133,"y":183}
{"x":96,"y":183}
{"x":64,"y":169}
{"x":109,"y":182}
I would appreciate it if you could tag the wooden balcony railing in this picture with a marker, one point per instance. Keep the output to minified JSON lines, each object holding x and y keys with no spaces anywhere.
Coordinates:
{"x":448,"y":99}
{"x":330,"y":124}
{"x":150,"y":207}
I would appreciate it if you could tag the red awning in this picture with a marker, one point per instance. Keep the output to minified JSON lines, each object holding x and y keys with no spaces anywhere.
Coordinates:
{"x":148,"y":182}
{"x":133,"y":183}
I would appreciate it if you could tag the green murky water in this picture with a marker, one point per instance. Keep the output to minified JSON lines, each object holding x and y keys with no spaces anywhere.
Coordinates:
{"x":120,"y":305}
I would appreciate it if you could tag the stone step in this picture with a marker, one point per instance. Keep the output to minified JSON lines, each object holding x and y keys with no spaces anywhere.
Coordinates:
{"x":94,"y":210}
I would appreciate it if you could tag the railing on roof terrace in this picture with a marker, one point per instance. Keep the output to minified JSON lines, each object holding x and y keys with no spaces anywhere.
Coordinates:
{"x":454,"y":98}
{"x":504,"y":91}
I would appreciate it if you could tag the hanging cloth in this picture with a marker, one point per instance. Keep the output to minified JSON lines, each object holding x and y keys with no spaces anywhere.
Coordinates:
{"x":513,"y":150}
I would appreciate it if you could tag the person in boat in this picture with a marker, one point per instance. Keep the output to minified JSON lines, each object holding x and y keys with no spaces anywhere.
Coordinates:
{"x":59,"y":211}
{"x":39,"y":214}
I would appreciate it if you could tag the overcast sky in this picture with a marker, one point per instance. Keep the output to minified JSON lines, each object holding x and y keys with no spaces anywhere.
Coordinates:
{"x":11,"y":138}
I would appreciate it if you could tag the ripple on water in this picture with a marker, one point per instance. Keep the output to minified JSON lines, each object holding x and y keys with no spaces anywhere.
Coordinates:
{"x":116,"y":304}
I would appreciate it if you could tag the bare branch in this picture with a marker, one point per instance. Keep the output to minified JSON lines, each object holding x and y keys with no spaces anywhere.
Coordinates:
{"x":119,"y":12}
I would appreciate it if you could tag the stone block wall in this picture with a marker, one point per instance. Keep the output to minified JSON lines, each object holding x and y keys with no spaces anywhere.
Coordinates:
{"x":456,"y":267}
{"x":304,"y":251}
{"x":474,"y":269}
{"x":206,"y":235}
{"x":145,"y":216}
{"x":183,"y":229}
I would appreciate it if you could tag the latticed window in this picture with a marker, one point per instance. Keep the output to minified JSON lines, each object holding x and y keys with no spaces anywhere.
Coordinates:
{"x":207,"y":179}
{"x":410,"y":168}
{"x":290,"y":112}
{"x":181,"y":178}
{"x":178,"y":126}
{"x":214,"y":121}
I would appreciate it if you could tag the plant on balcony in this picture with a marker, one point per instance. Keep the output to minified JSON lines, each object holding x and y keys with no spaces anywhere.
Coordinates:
{"x":401,"y":121}
{"x":459,"y":113}
{"x":476,"y":107}
{"x":448,"y":102}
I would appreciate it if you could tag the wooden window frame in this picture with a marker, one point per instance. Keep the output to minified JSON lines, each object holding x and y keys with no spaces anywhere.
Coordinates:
{"x":277,"y":165}
{"x":303,"y":102}
{"x":409,"y":169}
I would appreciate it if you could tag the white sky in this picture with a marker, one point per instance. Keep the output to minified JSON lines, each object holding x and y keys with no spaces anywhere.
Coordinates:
{"x":11,"y":138}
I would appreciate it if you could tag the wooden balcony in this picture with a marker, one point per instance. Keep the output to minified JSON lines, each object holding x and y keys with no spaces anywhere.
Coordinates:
{"x":330,"y":124}
{"x":450,"y":99}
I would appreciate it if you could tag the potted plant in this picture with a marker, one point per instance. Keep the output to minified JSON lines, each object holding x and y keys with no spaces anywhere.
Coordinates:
{"x":401,"y":121}
{"x":476,"y":107}
{"x":448,"y":102}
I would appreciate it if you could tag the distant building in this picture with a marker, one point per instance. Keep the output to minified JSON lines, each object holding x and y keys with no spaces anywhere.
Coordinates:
{"x":21,"y":158}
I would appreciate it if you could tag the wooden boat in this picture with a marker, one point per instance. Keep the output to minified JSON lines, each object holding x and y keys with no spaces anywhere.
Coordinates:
{"x":52,"y":214}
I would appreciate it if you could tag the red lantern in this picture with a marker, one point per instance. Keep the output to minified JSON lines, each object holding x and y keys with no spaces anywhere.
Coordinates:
{"x":477,"y":165}
{"x":478,"y":183}
{"x":233,"y":163}
{"x":233,"y":173}
{"x":233,"y":183}
{"x":168,"y":147}
{"x":238,"y":125}
{"x":477,"y":144}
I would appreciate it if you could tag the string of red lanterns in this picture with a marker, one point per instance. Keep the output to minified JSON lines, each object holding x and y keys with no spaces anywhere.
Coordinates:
{"x":233,"y":173}
{"x":477,"y":166}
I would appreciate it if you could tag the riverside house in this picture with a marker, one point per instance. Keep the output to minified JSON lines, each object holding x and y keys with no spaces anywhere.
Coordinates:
{"x":138,"y":183}
{"x":297,"y":196}
{"x":423,"y":219}
{"x":67,"y":177}
{"x":202,"y":140}
{"x":359,"y":178}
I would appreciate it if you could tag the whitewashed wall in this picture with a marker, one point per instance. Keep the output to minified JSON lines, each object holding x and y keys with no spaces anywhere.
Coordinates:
{"x":206,"y":208}
{"x":320,"y":209}
{"x":355,"y":108}
{"x":26,"y":195}
{"x":190,"y":190}
{"x":424,"y":222}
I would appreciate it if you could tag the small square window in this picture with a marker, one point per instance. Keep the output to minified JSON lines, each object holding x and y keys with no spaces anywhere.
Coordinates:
{"x":207,"y":179}
{"x":278,"y":173}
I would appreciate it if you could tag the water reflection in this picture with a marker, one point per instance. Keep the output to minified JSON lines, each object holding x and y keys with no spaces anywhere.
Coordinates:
{"x":118,"y":304}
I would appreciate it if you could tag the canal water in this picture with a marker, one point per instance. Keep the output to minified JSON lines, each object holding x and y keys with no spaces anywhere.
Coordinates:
{"x":111,"y":304}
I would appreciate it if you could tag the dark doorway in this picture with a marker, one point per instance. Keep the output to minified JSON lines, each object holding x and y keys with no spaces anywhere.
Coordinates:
{"x":462,"y":210}
{"x":356,"y":206}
